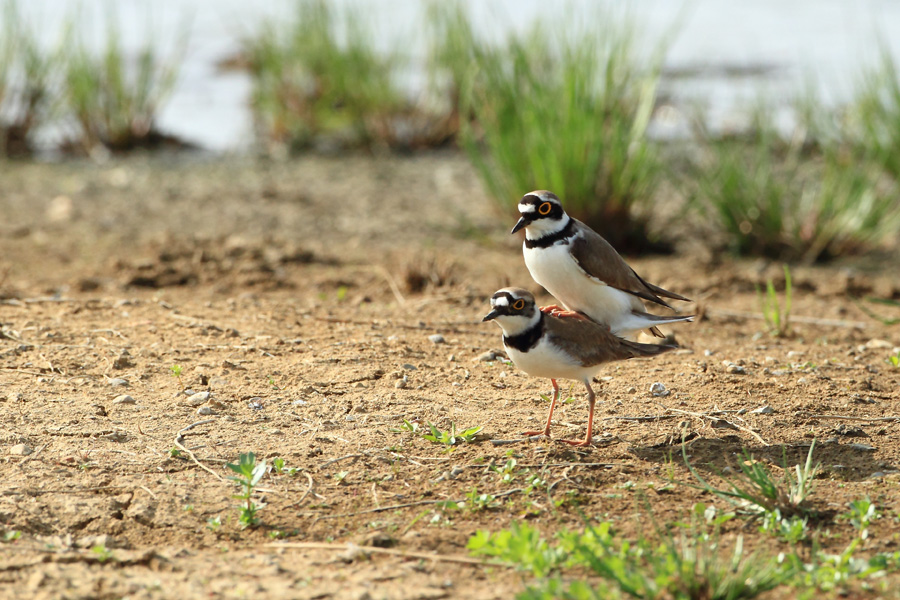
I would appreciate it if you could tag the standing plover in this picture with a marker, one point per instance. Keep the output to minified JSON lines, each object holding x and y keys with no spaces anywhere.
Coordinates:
{"x":544,"y":345}
{"x":584,"y":272}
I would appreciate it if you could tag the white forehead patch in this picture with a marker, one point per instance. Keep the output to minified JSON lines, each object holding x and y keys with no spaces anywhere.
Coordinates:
{"x":526,"y":208}
{"x":500,"y":301}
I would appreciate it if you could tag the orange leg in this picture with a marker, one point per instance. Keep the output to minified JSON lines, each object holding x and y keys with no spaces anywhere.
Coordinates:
{"x":555,"y":310}
{"x":546,"y":430}
{"x":590,"y":424}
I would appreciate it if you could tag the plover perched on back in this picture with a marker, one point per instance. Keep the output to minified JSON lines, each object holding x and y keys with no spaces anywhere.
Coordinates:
{"x":584,"y":272}
{"x":544,"y":345}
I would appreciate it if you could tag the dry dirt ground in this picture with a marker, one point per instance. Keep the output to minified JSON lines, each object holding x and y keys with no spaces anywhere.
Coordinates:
{"x":303,"y":295}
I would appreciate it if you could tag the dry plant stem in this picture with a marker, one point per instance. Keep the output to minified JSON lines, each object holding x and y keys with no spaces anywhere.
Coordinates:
{"x":395,"y":289}
{"x":862,"y":419}
{"x":376,"y":550}
{"x":339,"y":459}
{"x":711,"y":418}
{"x":181,"y":447}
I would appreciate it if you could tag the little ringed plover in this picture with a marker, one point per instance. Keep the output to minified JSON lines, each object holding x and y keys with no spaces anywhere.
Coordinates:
{"x":584,"y":272}
{"x":544,"y":345}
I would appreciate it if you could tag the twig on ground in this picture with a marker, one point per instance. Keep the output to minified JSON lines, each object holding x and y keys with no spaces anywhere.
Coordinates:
{"x":712,"y":418}
{"x":849,"y":418}
{"x":407,"y":505}
{"x":531,"y":438}
{"x":352,"y":548}
{"x":339,"y":459}
{"x":178,"y":442}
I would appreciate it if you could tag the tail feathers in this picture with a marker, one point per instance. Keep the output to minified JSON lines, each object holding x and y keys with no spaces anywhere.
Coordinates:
{"x":665,"y":293}
{"x":639,"y":349}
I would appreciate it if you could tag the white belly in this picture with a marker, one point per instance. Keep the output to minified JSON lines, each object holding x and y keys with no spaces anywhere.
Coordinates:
{"x":544,"y":361}
{"x":557,"y":272}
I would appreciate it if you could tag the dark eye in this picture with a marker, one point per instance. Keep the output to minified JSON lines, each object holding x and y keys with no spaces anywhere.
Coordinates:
{"x":545,"y":208}
{"x":519,"y":304}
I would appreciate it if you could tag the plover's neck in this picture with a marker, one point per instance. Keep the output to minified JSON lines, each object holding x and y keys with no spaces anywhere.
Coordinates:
{"x":543,"y":233}
{"x":523,"y":334}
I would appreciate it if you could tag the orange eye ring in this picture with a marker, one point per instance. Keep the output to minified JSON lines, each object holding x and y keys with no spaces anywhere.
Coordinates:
{"x":545,"y":208}
{"x":518,"y":304}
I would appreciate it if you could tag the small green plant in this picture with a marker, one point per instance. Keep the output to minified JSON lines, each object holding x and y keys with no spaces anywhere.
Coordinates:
{"x":521,"y":545}
{"x":793,"y":530}
{"x":407,"y":426}
{"x":278,"y":465}
{"x":340,"y":476}
{"x":10,"y":535}
{"x":102,"y":553}
{"x":507,"y":472}
{"x":277,"y":534}
{"x":174,"y":453}
{"x":757,"y":490}
{"x":476,"y":502}
{"x":452,"y":436}
{"x":695,"y":564}
{"x":861,"y":514}
{"x":777,"y":317}
{"x":177,"y":370}
{"x":249,"y":473}
{"x":894,"y":359}
{"x":214,"y":523}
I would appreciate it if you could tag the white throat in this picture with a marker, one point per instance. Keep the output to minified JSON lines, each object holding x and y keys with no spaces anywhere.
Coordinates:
{"x":514,"y":325}
{"x":544,"y":227}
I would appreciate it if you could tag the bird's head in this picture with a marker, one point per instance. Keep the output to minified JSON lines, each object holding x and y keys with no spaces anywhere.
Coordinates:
{"x":514,"y":310}
{"x":540,"y":211}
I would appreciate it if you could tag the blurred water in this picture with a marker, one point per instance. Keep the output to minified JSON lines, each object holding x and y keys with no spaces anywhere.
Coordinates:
{"x":725,"y":53}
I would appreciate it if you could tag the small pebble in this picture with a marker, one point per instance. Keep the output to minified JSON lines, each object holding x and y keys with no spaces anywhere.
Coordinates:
{"x":876,"y":344}
{"x":486,"y":356}
{"x":658,"y":389}
{"x":801,"y":381}
{"x":436,"y":338}
{"x":451,"y":358}
{"x":631,"y":390}
{"x":400,"y":384}
{"x":733,"y":368}
{"x":21,"y":450}
{"x":205,"y":410}
{"x":117,"y":382}
{"x":276,"y":432}
{"x":299,"y":402}
{"x":349,"y":418}
{"x":198,"y":398}
{"x":123,"y":399}
{"x":410,"y":367}
{"x":795,"y":353}
{"x":708,"y":352}
{"x":763,"y":410}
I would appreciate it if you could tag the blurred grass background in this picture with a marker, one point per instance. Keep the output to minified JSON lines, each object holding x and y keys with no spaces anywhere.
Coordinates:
{"x":555,"y":106}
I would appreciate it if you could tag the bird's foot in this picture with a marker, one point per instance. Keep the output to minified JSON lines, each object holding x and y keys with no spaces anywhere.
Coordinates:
{"x":545,"y":432}
{"x":580,"y":443}
{"x":556,"y":311}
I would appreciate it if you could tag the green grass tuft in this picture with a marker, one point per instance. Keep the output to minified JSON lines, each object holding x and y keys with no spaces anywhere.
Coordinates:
{"x":567,"y":113}
{"x":113,"y":98}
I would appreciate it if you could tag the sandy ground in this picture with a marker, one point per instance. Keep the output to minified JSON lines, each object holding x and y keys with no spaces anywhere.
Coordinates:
{"x":303,"y":297}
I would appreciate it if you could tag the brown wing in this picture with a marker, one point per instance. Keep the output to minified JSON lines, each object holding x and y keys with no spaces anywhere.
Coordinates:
{"x":599,"y":260}
{"x":594,"y":343}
